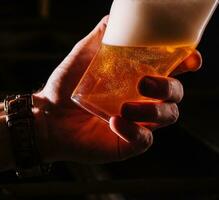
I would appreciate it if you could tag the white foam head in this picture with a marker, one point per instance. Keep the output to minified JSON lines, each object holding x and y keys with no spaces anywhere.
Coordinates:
{"x":157,"y":22}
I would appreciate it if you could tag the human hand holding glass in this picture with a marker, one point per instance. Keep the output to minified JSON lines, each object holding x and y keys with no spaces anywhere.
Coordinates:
{"x":67,"y":132}
{"x":143,"y":37}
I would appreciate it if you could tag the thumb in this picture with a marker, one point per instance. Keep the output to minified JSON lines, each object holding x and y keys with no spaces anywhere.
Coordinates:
{"x":82,"y":54}
{"x":66,"y":76}
{"x":134,"y":139}
{"x":93,"y":40}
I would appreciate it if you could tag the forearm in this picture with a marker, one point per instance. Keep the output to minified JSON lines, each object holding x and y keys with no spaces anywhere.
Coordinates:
{"x":6,"y":156}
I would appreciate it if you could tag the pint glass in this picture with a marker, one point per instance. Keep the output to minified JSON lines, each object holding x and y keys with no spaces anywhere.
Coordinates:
{"x":143,"y":37}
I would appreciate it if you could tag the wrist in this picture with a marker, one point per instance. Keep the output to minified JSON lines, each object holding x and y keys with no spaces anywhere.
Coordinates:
{"x":41,"y":125}
{"x":6,"y":155}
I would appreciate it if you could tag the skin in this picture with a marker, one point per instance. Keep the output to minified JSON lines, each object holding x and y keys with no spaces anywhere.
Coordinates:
{"x":71,"y":133}
{"x":66,"y":132}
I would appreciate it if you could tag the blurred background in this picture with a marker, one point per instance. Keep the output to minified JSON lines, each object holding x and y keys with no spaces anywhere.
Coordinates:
{"x":183,"y":163}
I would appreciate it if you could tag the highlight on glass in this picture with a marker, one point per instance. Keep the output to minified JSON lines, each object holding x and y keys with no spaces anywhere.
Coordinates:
{"x":142,"y":37}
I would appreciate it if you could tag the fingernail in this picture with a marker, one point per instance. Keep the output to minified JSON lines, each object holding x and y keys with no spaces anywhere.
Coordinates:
{"x":123,"y":128}
{"x":114,"y":127}
{"x":175,"y":111}
{"x":143,"y":143}
{"x":131,"y":132}
{"x":128,"y":110}
{"x":140,"y":138}
{"x":147,"y":86}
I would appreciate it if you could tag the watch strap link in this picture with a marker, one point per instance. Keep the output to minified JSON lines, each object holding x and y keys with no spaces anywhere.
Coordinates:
{"x":20,"y":121}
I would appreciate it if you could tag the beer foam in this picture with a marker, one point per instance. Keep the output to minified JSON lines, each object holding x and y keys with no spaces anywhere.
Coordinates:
{"x":157,"y":22}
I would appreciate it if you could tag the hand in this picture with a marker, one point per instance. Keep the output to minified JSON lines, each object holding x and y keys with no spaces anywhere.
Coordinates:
{"x":67,"y":132}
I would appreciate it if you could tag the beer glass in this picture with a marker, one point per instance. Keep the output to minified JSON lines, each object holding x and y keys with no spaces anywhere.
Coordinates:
{"x":143,"y":37}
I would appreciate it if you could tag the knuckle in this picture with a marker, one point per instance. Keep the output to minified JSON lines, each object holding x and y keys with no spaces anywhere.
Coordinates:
{"x":180,"y":91}
{"x":157,"y":112}
{"x":174,"y":113}
{"x":145,"y":140}
{"x":170,"y":86}
{"x":175,"y":90}
{"x":166,"y":113}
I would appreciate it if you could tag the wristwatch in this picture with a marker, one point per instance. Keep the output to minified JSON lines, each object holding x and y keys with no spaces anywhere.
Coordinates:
{"x":20,"y":121}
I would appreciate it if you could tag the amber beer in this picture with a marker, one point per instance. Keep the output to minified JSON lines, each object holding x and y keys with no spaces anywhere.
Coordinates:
{"x":154,"y":42}
{"x":113,"y":75}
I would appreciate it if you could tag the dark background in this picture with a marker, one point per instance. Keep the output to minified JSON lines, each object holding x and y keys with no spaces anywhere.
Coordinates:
{"x":35,"y":36}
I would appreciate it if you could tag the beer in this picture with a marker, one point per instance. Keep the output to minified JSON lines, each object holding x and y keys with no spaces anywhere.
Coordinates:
{"x":113,"y":76}
{"x":143,"y":37}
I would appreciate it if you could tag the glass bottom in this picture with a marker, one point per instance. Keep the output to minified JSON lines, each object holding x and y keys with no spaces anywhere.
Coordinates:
{"x":90,"y":108}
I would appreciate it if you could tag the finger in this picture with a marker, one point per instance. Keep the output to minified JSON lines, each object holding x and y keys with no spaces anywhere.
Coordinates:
{"x":159,"y":113}
{"x":74,"y":65}
{"x":134,"y":139}
{"x":90,"y":44}
{"x":190,"y":64}
{"x":84,"y":51}
{"x":94,"y":38}
{"x":163,"y":88}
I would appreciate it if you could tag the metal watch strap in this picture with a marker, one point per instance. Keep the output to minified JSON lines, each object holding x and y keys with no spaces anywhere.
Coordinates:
{"x":20,"y":121}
